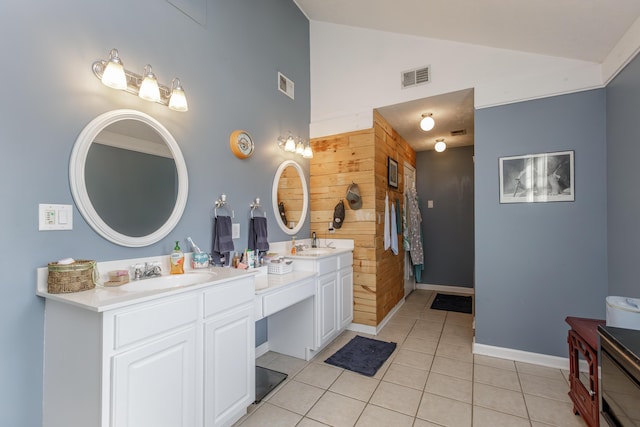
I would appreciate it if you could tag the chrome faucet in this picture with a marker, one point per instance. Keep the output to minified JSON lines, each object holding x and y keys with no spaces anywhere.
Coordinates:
{"x":146,"y":270}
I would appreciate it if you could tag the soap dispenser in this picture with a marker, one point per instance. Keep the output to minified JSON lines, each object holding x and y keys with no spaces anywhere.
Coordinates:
{"x":293,"y":245}
{"x":177,"y":260}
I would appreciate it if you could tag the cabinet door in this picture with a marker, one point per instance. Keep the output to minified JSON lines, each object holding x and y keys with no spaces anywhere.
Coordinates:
{"x":155,"y":384}
{"x":327,"y":298}
{"x":345,"y":297}
{"x":229,"y":366}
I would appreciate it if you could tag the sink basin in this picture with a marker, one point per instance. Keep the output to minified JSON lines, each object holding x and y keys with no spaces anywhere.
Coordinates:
{"x":169,"y":281}
{"x":315,"y":252}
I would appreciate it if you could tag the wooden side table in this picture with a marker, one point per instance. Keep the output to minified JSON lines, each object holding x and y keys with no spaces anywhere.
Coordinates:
{"x":583,"y":341}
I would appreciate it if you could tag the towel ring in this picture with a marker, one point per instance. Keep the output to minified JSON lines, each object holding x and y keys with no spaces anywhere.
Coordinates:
{"x":222,"y":203}
{"x":256,"y":205}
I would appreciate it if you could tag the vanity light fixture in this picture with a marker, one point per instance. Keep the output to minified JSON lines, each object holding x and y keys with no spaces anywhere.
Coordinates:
{"x":308,"y":152}
{"x":301,"y":148}
{"x":287,"y":144}
{"x":113,"y":74}
{"x":427,"y":123}
{"x":440,"y":145}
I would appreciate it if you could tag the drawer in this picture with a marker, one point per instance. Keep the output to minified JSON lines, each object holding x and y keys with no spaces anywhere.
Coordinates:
{"x":287,"y":296}
{"x":228,"y":295}
{"x":345,"y":260}
{"x":327,"y":265}
{"x":149,"y":320}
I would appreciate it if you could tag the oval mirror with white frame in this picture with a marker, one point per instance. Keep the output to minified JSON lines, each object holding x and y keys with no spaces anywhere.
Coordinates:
{"x":128,"y":178}
{"x":290,"y":197}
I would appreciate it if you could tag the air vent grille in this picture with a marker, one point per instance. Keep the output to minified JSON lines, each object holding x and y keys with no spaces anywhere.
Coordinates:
{"x":416,"y":77}
{"x":458,"y":132}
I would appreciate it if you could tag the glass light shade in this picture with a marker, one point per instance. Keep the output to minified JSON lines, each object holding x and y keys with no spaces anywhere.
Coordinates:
{"x":113,"y":73}
{"x":177,"y":101}
{"x":149,"y":89}
{"x":440,"y":146}
{"x":427,"y":123}
{"x":308,"y":152}
{"x":299,"y":147}
{"x":290,"y":145}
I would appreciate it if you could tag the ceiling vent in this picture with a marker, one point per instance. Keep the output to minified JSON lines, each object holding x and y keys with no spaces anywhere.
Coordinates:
{"x":416,"y":77}
{"x":458,"y":132}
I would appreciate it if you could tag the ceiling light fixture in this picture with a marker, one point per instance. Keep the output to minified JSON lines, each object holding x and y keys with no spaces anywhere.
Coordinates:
{"x":440,"y":145}
{"x":112,"y":74}
{"x":427,"y":123}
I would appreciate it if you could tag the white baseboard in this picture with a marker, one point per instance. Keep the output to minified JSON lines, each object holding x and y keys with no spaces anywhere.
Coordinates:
{"x":262,"y":349}
{"x":522,"y":356}
{"x":444,"y":288}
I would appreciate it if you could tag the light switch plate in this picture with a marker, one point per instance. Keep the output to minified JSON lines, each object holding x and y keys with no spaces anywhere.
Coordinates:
{"x":429,"y":204}
{"x":55,"y":217}
{"x":235,"y":231}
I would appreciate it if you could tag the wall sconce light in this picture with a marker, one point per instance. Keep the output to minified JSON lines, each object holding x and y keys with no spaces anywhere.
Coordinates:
{"x":427,"y":123}
{"x":440,"y":145}
{"x":113,"y":74}
{"x":290,"y":145}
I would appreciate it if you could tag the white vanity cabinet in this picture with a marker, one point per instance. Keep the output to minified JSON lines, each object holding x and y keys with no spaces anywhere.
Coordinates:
{"x":181,"y":360}
{"x":334,"y":293}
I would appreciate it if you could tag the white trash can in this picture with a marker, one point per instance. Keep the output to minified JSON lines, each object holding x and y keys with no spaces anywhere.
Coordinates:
{"x":623,"y":312}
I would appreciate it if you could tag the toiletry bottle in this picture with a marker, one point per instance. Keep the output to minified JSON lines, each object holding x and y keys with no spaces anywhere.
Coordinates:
{"x":314,"y":240}
{"x":177,"y":260}
{"x":293,"y":245}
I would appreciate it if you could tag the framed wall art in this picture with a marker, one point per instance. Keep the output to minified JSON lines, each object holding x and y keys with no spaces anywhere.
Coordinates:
{"x":393,"y":173}
{"x":544,"y":177}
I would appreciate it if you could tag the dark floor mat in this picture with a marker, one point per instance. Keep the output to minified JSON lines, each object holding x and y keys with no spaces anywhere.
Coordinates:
{"x":362,"y":355}
{"x":267,"y":380}
{"x":459,"y":303}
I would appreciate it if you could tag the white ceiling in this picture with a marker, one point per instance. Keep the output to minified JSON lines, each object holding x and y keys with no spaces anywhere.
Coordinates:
{"x":577,"y":29}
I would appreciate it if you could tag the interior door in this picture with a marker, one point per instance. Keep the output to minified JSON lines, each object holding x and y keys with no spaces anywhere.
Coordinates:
{"x":409,"y":182}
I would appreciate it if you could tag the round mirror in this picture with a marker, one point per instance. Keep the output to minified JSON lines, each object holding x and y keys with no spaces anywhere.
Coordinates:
{"x":290,"y":197}
{"x":128,"y":178}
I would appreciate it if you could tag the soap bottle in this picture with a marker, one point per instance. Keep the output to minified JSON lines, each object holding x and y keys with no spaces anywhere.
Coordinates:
{"x":293,"y":245}
{"x":177,"y":260}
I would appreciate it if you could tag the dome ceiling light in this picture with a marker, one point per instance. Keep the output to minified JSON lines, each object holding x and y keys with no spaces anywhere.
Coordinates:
{"x":427,"y":123}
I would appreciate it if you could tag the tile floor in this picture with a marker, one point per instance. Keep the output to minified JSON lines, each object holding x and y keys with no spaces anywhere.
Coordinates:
{"x":432,"y":379}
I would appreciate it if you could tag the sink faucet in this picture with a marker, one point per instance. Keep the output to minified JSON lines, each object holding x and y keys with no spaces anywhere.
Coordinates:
{"x":148,"y":269}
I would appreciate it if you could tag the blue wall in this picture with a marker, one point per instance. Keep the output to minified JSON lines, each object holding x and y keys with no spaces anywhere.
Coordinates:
{"x":623,"y":192}
{"x":537,"y":263}
{"x":228,"y":67}
{"x":447,"y":228}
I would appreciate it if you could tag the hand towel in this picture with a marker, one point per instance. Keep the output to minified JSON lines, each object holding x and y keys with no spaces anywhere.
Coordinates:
{"x":258,"y":234}
{"x":394,"y":231}
{"x":222,"y":241}
{"x":387,"y":231}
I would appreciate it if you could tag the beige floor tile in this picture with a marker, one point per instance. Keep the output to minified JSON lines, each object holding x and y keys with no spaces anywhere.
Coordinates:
{"x":552,"y":412}
{"x":549,"y":388}
{"x":444,"y":411}
{"x":422,"y":423}
{"x":355,"y":386}
{"x":406,"y":376}
{"x":269,"y":415}
{"x":308,"y":422}
{"x":433,"y":315}
{"x":428,"y":346}
{"x":397,"y":398}
{"x":266,"y":358}
{"x":463,"y":319}
{"x":480,"y":359}
{"x":433,"y":323}
{"x":499,"y":399}
{"x":413,"y":359}
{"x":336,"y":410}
{"x":375,"y":416}
{"x":287,"y":364}
{"x":321,"y":376}
{"x":453,"y":388}
{"x":455,"y":339}
{"x":455,"y":351}
{"x":453,"y":368}
{"x":401,"y":320}
{"x":483,"y":417}
{"x":296,"y":397}
{"x":457,"y":330}
{"x":496,"y":377}
{"x":541,"y":371}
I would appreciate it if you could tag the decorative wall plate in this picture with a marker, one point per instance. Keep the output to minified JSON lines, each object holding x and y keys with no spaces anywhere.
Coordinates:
{"x":241,"y":144}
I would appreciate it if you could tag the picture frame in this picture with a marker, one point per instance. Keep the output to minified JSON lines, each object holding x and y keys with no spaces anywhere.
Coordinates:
{"x":392,"y":167}
{"x":537,"y":178}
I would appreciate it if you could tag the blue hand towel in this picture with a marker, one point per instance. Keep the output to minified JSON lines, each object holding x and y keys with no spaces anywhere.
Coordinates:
{"x":222,"y":242}
{"x":258,"y":234}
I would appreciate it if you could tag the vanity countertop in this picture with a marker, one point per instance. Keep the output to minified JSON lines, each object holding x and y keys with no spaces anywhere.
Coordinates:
{"x":102,"y":298}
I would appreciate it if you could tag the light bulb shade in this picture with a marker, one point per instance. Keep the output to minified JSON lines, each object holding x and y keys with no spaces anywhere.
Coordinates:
{"x":178,"y":101}
{"x":290,"y":145}
{"x":149,"y":89}
{"x":113,"y":73}
{"x":427,"y":123}
{"x":440,"y":146}
{"x":299,"y":147}
{"x":308,"y":152}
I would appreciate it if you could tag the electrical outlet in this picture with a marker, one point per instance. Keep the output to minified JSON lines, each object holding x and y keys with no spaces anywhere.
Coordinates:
{"x":235,"y":231}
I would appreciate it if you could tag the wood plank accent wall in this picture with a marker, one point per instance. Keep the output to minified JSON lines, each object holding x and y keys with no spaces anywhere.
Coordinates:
{"x":361,"y":157}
